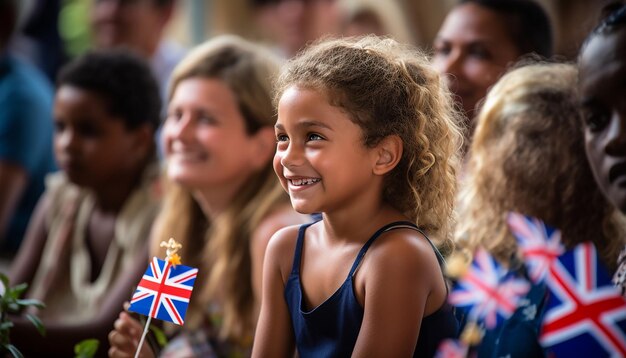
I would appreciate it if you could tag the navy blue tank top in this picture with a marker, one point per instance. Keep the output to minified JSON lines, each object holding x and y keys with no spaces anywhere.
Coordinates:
{"x":331,"y":329}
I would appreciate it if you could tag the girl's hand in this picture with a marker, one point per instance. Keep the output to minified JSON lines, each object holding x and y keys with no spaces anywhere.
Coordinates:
{"x":124,"y":338}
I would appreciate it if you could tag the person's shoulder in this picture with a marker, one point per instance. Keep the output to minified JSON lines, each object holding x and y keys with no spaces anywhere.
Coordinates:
{"x":24,"y":82}
{"x":282,"y":216}
{"x":404,"y":247}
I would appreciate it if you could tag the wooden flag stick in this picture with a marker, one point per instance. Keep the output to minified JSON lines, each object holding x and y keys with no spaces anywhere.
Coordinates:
{"x":143,"y":336}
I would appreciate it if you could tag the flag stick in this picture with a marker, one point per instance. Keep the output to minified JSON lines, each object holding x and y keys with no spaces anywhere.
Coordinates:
{"x":143,"y":336}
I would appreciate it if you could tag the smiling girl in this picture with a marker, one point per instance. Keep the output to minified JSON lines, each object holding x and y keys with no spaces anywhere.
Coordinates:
{"x":366,"y":136}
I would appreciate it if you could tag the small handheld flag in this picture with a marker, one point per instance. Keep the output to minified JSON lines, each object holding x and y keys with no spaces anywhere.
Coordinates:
{"x":487,"y":290}
{"x":585,"y":315}
{"x":164,"y":290}
{"x":539,"y":244}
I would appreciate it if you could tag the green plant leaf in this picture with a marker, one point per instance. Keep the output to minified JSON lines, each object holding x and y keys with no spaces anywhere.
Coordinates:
{"x":159,"y":335}
{"x":37,"y":323}
{"x":86,"y":348}
{"x":18,"y":290}
{"x":31,"y":302}
{"x":5,"y":280}
{"x":14,"y":351}
{"x":13,"y":307}
{"x":6,"y":325}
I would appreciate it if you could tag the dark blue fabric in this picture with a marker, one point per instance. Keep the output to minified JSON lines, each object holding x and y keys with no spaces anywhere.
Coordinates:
{"x":332,"y":328}
{"x":26,"y":131}
{"x":517,"y":337}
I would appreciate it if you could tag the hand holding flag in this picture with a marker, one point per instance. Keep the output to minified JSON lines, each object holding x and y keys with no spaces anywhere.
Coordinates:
{"x":164,"y":290}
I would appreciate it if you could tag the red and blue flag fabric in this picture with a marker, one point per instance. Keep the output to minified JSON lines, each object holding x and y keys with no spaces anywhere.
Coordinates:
{"x":539,"y":244}
{"x":487,"y":291}
{"x":452,"y":348}
{"x":164,"y":291}
{"x":585,"y":314}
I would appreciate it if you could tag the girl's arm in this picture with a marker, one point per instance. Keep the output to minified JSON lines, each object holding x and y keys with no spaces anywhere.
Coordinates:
{"x":396,"y":281}
{"x":280,"y":218}
{"x":274,"y":335}
{"x":24,"y":265}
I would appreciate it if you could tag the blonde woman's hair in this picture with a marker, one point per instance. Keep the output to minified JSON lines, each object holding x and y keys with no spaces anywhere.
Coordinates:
{"x":221,"y":247}
{"x":391,"y":89}
{"x":528,"y":156}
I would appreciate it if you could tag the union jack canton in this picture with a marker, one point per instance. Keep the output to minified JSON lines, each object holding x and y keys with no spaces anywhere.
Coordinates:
{"x":164,"y":291}
{"x":585,"y":314}
{"x":539,"y":244}
{"x":488,"y":291}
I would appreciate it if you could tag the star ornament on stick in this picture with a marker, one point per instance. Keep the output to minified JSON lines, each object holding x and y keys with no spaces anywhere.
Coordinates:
{"x":165,"y":289}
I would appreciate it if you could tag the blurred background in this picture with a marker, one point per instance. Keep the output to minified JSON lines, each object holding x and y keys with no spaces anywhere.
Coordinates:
{"x":55,"y":31}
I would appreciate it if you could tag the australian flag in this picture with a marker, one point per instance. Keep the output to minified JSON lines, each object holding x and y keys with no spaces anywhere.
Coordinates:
{"x":585,"y":314}
{"x":539,"y":244}
{"x":164,"y":291}
{"x":488,"y":291}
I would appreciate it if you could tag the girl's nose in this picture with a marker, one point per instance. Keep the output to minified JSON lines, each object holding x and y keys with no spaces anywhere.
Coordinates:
{"x":292,"y":156}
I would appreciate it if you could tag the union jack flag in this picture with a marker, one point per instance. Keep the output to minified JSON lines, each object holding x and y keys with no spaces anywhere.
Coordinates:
{"x":164,"y":291}
{"x":540,"y":244}
{"x":452,"y":348}
{"x":488,"y":291}
{"x":585,"y":313}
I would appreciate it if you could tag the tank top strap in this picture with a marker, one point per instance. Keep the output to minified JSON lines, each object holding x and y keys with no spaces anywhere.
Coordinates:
{"x":389,"y":227}
{"x":371,"y":240}
{"x":295,"y":268}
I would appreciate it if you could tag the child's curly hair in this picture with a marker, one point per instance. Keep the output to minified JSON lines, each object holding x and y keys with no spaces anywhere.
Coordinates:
{"x":391,"y":89}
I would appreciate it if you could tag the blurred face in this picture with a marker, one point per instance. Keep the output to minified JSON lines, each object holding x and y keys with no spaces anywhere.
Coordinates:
{"x":204,"y":137}
{"x":473,"y":49}
{"x":364,"y":24}
{"x":136,"y":24}
{"x":294,"y":23}
{"x":320,"y":158}
{"x":91,"y":145}
{"x":602,"y":87}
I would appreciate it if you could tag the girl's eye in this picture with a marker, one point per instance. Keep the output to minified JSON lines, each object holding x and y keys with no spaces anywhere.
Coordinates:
{"x":59,"y":126}
{"x":596,"y":121}
{"x":88,"y":130}
{"x":314,"y":136}
{"x":281,"y":138}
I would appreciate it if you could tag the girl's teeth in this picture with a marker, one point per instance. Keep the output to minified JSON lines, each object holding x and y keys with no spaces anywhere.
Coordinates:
{"x":300,"y":182}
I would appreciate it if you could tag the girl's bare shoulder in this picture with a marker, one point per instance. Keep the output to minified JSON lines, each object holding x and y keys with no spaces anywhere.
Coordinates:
{"x":402,"y":249}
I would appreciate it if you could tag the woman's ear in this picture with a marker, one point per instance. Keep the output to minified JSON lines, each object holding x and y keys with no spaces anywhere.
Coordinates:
{"x":264,"y":146}
{"x":387,"y":154}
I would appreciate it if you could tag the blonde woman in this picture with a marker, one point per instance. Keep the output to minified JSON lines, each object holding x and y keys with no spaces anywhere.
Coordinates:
{"x":528,"y":156}
{"x":223,"y":201}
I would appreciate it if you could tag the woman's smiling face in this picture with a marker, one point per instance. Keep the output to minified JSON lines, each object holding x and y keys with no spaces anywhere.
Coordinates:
{"x":204,"y":136}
